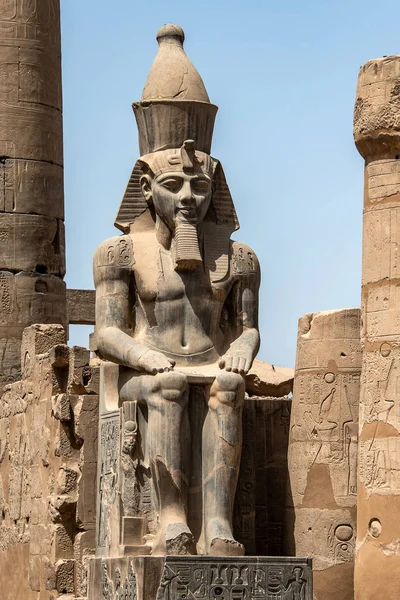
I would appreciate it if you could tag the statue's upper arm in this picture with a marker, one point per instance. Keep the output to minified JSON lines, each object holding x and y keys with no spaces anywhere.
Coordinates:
{"x":246,"y":270}
{"x":112,"y":272}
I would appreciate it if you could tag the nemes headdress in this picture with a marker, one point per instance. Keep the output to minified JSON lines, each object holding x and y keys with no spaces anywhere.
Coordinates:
{"x":175,"y":122}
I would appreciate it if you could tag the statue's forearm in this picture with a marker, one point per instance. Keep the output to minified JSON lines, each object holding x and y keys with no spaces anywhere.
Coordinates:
{"x":117,"y":346}
{"x":247,"y":343}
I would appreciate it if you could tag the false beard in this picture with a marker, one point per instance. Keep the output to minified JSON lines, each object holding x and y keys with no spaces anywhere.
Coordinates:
{"x":186,"y":250}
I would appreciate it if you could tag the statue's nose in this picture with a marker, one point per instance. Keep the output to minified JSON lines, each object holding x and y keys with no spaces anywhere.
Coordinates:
{"x":186,"y":196}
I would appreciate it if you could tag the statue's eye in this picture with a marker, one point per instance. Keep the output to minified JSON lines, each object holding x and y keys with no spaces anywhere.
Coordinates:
{"x":173,"y":184}
{"x":200,"y":186}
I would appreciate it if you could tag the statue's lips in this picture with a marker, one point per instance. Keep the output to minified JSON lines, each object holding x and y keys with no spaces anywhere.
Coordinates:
{"x":186,"y":212}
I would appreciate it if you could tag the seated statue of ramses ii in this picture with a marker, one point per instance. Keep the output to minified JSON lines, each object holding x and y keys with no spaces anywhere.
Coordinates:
{"x":177,"y":305}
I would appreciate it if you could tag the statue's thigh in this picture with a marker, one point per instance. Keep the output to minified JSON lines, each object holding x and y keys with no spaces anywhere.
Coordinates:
{"x":152,"y":389}
{"x":131,"y":385}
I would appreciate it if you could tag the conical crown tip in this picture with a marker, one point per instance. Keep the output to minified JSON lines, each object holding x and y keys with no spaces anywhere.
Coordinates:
{"x":172,"y":31}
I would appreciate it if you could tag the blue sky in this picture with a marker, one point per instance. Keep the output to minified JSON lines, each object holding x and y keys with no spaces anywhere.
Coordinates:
{"x":284,"y":77}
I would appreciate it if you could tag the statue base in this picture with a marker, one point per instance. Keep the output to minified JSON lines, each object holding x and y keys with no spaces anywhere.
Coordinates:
{"x":200,"y":578}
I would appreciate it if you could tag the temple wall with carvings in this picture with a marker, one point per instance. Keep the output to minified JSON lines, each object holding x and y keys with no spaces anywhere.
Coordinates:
{"x":48,"y":470}
{"x":32,"y":246}
{"x":48,"y":459}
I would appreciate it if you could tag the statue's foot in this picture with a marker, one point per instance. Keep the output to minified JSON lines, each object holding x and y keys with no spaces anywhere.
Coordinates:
{"x":226,"y":548}
{"x":221,"y":540}
{"x":177,"y":540}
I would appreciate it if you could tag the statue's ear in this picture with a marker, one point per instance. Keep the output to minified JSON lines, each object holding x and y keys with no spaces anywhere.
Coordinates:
{"x":145,"y":184}
{"x":133,"y":203}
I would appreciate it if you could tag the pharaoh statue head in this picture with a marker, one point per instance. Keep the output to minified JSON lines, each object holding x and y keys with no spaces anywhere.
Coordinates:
{"x":176,"y":180}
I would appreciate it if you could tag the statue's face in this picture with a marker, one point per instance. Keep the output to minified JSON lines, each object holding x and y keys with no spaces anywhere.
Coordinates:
{"x":179,"y":196}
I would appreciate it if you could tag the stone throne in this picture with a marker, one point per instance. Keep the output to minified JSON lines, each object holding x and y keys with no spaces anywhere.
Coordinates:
{"x":176,"y":332}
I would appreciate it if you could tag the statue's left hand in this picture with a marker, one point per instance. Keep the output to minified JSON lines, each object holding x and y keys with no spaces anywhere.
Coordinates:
{"x":238,"y":362}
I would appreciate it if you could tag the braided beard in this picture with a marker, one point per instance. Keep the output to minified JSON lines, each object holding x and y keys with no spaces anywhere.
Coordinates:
{"x":186,"y":250}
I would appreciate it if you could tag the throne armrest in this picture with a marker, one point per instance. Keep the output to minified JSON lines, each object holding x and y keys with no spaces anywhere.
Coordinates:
{"x":109,"y":396}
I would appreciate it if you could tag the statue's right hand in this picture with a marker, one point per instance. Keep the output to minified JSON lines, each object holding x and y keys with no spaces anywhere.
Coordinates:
{"x":155,"y":362}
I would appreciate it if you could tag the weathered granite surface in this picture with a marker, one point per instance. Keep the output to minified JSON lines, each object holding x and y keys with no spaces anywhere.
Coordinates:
{"x":177,"y":319}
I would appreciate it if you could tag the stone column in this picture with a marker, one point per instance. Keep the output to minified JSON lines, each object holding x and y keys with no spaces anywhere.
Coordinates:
{"x":377,"y":136}
{"x":32,"y":262}
{"x":322,"y":460}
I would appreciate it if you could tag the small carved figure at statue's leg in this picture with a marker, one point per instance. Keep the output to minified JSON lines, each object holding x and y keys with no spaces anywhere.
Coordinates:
{"x":222,"y":445}
{"x":168,"y":435}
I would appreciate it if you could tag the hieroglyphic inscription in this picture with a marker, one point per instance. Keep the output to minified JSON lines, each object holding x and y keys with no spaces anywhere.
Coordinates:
{"x":341,"y":540}
{"x":5,"y":295}
{"x":245,"y":509}
{"x":108,"y":482}
{"x":230,"y":578}
{"x":243,"y":260}
{"x":118,"y":253}
{"x":30,"y":20}
{"x":125,"y":257}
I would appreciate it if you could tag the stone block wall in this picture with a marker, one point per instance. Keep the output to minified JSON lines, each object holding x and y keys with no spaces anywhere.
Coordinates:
{"x":48,"y":460}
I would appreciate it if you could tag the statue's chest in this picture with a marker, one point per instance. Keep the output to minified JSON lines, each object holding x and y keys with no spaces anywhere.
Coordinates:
{"x":158,"y":281}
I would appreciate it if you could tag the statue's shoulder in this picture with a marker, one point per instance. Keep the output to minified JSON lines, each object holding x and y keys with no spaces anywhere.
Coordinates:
{"x":115,"y":253}
{"x":243,"y":259}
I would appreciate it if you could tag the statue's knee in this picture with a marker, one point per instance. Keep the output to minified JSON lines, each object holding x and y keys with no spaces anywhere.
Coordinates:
{"x":228,"y":388}
{"x":171,"y":385}
{"x":226,"y":381}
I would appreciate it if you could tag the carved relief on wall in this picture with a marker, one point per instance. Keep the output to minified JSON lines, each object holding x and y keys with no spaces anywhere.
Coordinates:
{"x":326,"y":535}
{"x":341,"y":539}
{"x":6,"y":296}
{"x":381,"y":385}
{"x":229,"y":579}
{"x":380,"y":465}
{"x":326,"y":417}
{"x":108,"y":474}
{"x":29,"y":19}
{"x":380,"y":412}
{"x":117,"y":588}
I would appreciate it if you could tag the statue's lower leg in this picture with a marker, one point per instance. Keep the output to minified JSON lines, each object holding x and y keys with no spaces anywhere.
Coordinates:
{"x":222,"y":445}
{"x":168,"y":438}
